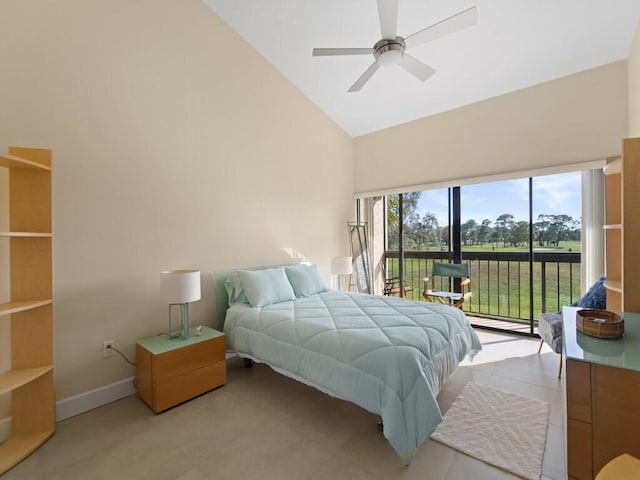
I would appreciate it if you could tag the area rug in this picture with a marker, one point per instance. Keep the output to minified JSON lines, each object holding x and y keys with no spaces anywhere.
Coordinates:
{"x":501,"y":428}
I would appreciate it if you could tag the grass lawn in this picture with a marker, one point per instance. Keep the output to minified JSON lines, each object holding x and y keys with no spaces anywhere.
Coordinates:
{"x":502,"y":288}
{"x":566,"y":246}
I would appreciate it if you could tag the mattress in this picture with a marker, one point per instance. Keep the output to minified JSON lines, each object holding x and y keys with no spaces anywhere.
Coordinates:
{"x":388,"y":355}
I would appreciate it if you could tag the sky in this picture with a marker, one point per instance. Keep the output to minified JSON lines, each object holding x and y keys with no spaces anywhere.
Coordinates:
{"x":552,"y":194}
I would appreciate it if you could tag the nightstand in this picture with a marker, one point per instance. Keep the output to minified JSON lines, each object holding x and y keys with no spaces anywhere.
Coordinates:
{"x":171,"y":371}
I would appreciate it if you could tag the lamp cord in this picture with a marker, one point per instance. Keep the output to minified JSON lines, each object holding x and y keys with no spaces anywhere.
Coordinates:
{"x":122,"y":355}
{"x":175,"y":335}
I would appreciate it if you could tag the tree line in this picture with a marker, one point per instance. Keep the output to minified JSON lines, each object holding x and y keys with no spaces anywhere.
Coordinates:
{"x":423,"y":232}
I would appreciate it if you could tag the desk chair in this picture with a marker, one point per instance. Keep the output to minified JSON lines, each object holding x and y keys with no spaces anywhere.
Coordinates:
{"x":550,"y":324}
{"x":550,"y":331}
{"x":450,"y":270}
{"x":623,"y":467}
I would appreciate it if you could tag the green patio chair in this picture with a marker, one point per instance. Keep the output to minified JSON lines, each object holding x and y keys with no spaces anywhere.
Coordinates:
{"x":450,"y":270}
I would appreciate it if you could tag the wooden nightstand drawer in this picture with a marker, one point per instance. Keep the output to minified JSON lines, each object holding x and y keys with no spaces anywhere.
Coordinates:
{"x":170,"y":372}
{"x":184,"y":360}
{"x":189,"y":385}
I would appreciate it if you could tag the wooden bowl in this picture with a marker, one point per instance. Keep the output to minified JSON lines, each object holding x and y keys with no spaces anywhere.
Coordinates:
{"x":599,"y":323}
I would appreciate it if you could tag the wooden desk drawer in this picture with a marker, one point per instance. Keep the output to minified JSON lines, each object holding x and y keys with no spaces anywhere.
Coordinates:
{"x":579,"y":453}
{"x":184,"y":360}
{"x":578,"y":376}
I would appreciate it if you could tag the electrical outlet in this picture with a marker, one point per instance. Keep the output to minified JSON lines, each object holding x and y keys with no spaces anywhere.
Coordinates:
{"x":106,"y":348}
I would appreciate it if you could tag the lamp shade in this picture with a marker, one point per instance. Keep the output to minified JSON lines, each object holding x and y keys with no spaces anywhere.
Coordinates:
{"x":341,"y":266}
{"x":180,"y":286}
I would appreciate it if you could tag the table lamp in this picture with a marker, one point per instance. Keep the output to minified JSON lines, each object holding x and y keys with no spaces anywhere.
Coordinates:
{"x":341,"y":266}
{"x":179,"y":287}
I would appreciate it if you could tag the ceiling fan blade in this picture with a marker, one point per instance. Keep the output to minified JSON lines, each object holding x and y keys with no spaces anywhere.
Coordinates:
{"x":321,"y":52}
{"x":388,"y":12}
{"x":459,"y":21}
{"x":364,"y":78}
{"x":416,"y":67}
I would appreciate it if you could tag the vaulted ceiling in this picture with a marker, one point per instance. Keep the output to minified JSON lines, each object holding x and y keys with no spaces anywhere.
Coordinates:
{"x":515,"y":44}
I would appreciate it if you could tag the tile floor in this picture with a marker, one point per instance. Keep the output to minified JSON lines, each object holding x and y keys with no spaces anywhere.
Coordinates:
{"x":262,"y":425}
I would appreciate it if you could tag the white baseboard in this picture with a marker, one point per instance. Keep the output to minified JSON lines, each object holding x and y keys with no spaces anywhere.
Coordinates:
{"x":84,"y":402}
{"x":5,"y":429}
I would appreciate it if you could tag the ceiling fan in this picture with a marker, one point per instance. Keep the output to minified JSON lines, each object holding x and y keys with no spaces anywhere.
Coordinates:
{"x":390,"y":50}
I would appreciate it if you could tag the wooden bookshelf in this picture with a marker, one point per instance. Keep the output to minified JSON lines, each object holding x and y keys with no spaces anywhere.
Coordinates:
{"x":622,"y":230}
{"x":30,"y":378}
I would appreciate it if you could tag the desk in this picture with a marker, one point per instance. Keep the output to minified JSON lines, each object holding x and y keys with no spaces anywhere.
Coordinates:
{"x":602,"y":396}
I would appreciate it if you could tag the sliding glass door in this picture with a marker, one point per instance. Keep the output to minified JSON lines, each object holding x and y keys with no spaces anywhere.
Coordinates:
{"x":495,"y":234}
{"x":557,"y":241}
{"x":520,"y":238}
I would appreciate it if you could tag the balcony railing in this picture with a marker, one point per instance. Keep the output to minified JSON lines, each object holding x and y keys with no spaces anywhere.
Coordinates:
{"x":501,"y":281}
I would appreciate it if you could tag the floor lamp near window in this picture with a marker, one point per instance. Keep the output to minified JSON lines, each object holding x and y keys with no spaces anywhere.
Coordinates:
{"x":341,"y":266}
{"x":180,"y":287}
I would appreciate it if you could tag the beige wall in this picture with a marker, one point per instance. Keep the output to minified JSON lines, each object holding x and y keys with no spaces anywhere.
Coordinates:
{"x":633,"y":83}
{"x":574,"y":119}
{"x":175,"y":145}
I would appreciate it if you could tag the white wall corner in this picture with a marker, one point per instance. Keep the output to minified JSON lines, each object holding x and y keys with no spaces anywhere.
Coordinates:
{"x":84,"y":402}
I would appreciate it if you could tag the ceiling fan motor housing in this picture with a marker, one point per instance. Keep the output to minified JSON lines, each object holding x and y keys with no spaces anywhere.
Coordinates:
{"x":389,"y":52}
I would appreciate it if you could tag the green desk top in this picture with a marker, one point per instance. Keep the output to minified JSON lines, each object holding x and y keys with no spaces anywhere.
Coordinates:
{"x":621,"y":352}
{"x":162,"y":344}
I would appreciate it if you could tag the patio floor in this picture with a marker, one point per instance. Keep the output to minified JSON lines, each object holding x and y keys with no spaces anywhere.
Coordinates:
{"x":500,"y":324}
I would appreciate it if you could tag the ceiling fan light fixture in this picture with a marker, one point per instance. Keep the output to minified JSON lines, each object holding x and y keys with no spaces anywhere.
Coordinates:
{"x":388,"y":53}
{"x":389,"y":58}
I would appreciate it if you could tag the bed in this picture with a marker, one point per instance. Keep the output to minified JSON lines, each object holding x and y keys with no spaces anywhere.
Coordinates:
{"x":388,"y":355}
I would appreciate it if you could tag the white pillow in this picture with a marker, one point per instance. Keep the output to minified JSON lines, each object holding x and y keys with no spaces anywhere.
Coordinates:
{"x":305,"y":279}
{"x":264,"y":287}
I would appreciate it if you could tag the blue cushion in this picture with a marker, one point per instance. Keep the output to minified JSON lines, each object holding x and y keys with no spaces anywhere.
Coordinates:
{"x":596,"y":297}
{"x":264,"y":287}
{"x":234,"y":289}
{"x":305,"y":279}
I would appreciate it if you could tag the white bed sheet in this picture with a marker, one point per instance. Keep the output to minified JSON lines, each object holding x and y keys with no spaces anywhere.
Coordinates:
{"x":388,"y":355}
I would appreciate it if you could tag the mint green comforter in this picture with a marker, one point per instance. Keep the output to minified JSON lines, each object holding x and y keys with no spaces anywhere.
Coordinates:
{"x":388,"y":355}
